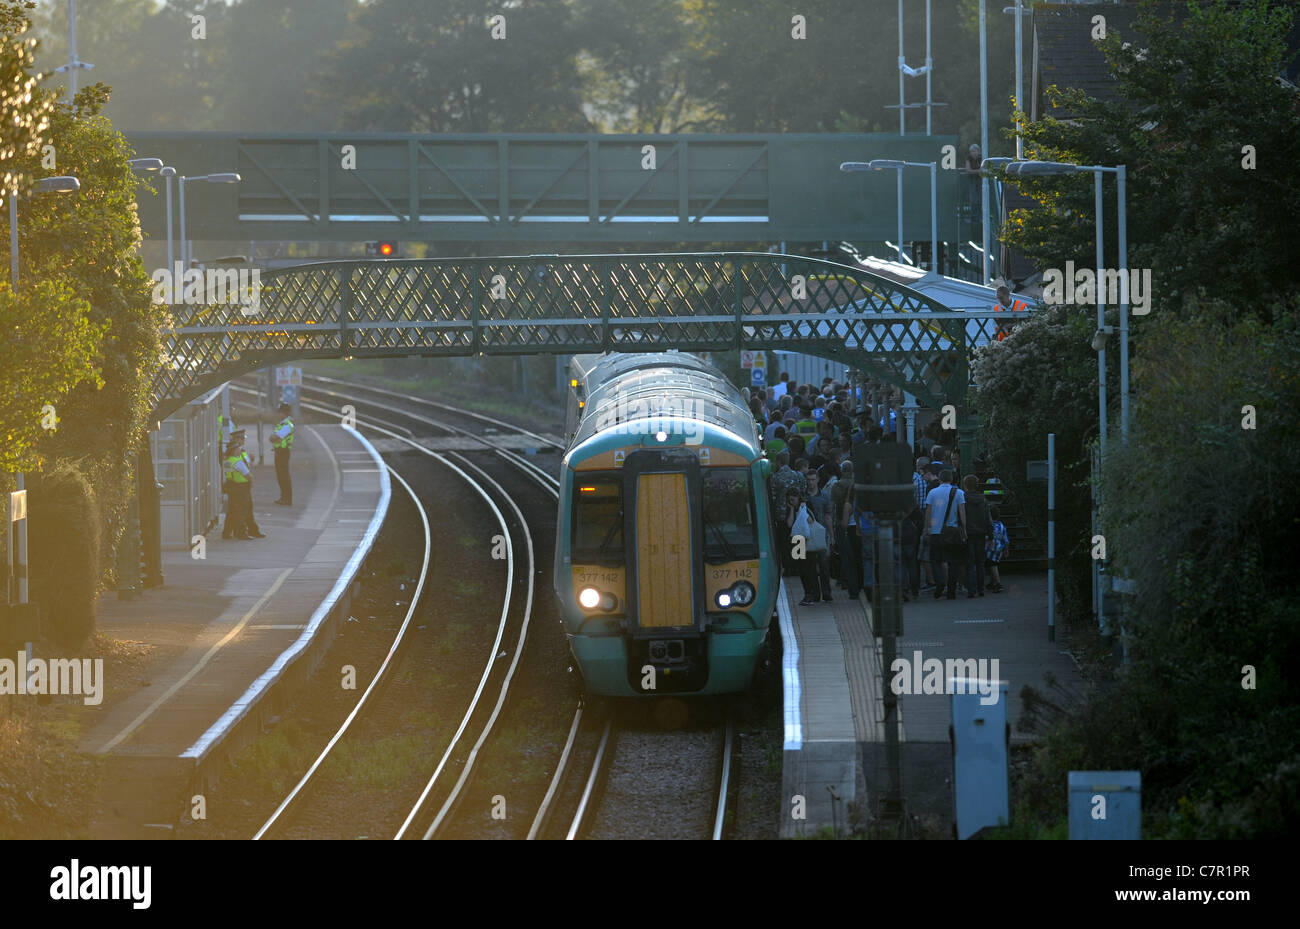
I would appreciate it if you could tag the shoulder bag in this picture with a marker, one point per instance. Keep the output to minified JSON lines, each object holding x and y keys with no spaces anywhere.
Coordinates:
{"x":951,"y":535}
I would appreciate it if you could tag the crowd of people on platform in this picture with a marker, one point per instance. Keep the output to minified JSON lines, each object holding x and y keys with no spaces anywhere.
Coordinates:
{"x":953,"y":538}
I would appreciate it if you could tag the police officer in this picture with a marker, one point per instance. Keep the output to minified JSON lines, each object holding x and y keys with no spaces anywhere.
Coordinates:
{"x":240,"y":523}
{"x":282,"y":443}
{"x":236,"y":479}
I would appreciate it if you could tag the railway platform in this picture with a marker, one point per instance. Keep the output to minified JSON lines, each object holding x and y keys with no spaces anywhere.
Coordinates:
{"x":834,"y":752}
{"x":232,"y":634}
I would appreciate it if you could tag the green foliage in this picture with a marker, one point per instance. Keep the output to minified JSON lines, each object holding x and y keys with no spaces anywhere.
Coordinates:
{"x":1199,"y":513}
{"x":418,"y":66}
{"x":1042,"y":379}
{"x":82,"y":336}
{"x":25,"y":112}
{"x":1192,"y":94}
{"x":64,"y":546}
{"x":566,"y":65}
{"x":636,"y":64}
{"x":1195,"y":459}
{"x":90,"y":240}
{"x":47,"y":347}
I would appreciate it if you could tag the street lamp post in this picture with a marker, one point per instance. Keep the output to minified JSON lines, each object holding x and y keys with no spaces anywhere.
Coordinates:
{"x":881,"y":164}
{"x":984,"y":134}
{"x":1019,"y":12}
{"x":74,"y":64}
{"x":148,"y":166}
{"x":1120,"y":172}
{"x":168,"y":173}
{"x":47,"y":185}
{"x":1099,"y":340}
{"x":224,"y":178}
{"x":1121,"y":183}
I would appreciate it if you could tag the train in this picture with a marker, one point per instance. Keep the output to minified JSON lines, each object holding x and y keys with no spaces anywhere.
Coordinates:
{"x":666,"y":572}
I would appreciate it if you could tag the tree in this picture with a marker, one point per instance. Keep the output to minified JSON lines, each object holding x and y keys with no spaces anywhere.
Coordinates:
{"x":47,"y":347}
{"x":162,"y":76}
{"x":1043,"y":379}
{"x":635,"y":64}
{"x":419,"y":66}
{"x":81,"y":337}
{"x":47,"y":338}
{"x":26,"y":113}
{"x":1199,"y":516}
{"x":268,"y":57}
{"x":1197,"y":94}
{"x":90,"y":240}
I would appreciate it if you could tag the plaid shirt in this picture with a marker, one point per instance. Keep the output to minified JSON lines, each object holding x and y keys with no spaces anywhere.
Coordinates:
{"x":921,"y":489}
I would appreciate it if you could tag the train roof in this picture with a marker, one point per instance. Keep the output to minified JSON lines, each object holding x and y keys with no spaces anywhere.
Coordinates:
{"x":673,"y":385}
{"x":593,"y":370}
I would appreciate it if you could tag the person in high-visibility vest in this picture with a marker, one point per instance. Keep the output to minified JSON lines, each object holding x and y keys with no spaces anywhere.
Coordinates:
{"x":282,"y":443}
{"x":225,"y":425}
{"x":238,"y":483}
{"x":1006,"y":303}
{"x":250,"y":522}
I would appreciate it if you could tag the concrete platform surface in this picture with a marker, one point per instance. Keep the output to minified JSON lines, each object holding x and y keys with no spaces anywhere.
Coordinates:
{"x":834,"y":681}
{"x":231,"y":629}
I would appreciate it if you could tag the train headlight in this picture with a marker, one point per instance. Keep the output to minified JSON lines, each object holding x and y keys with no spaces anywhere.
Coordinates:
{"x":592,"y":599}
{"x":724,"y":599}
{"x":742,"y":593}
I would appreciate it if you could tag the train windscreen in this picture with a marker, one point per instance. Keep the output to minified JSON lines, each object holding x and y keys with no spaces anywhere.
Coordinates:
{"x":730,"y":530}
{"x":598,"y":518}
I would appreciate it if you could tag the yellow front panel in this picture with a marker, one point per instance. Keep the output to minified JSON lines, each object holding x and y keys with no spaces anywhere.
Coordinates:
{"x":663,"y":550}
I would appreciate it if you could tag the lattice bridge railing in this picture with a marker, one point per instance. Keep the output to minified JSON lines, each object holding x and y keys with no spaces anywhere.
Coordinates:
{"x":570,"y":304}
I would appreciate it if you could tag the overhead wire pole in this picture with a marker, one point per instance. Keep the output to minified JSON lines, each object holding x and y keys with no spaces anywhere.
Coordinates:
{"x":1121,"y":178}
{"x":1101,"y":316}
{"x":1102,"y":624}
{"x":899,"y":172}
{"x":74,"y":64}
{"x":983,"y":130}
{"x":1020,"y":77}
{"x":929,"y":70}
{"x":902,"y":100}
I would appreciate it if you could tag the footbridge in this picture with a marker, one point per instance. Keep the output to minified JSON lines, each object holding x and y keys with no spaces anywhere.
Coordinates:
{"x":566,"y":304}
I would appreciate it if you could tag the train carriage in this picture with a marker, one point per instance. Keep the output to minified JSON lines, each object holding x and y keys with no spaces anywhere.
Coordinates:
{"x":665,"y":569}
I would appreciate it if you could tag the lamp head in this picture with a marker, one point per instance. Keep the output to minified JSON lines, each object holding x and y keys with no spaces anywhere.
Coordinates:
{"x":63,"y":184}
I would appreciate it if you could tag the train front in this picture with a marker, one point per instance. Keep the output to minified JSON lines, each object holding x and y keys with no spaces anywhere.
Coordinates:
{"x":665,"y":568}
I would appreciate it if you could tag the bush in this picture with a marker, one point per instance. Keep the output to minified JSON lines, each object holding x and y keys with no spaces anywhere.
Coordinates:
{"x":1201,"y":513}
{"x":1042,"y":379}
{"x":63,"y":550}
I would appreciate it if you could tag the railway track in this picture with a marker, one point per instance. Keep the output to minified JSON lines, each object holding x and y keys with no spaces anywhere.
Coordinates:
{"x":603,"y":766}
{"x":630,"y":782}
{"x":441,"y":794}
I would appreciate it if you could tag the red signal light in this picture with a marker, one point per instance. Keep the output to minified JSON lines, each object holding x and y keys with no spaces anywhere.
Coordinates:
{"x":386,"y":249}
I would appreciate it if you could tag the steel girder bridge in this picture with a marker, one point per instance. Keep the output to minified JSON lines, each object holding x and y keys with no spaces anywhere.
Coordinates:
{"x":574,"y":303}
